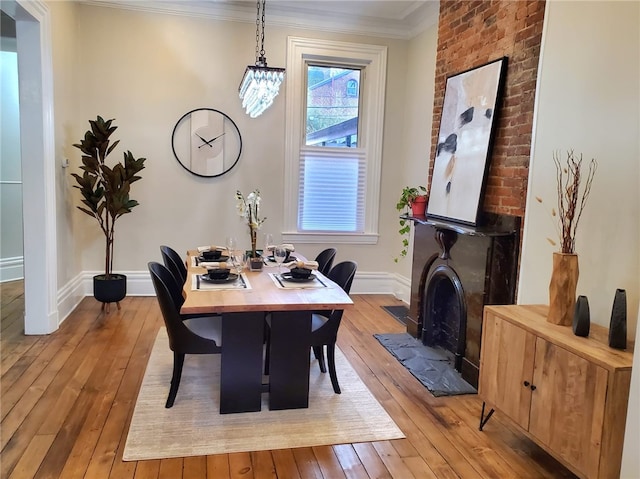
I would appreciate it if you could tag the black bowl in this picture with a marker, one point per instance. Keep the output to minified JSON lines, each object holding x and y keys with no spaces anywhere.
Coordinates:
{"x":218,"y":273}
{"x":300,"y":273}
{"x":211,"y":255}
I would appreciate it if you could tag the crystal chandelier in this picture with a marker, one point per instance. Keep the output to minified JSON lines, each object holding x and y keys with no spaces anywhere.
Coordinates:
{"x":260,"y":83}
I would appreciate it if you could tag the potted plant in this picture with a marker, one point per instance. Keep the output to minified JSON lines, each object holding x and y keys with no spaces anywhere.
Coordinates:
{"x":412,"y":202}
{"x":105,"y":197}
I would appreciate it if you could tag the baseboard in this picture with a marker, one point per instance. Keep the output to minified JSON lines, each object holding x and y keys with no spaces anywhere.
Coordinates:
{"x":139,"y":284}
{"x":11,"y":269}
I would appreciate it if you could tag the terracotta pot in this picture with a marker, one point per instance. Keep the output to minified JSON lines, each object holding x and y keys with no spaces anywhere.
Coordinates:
{"x":562,"y":288}
{"x":418,"y":206}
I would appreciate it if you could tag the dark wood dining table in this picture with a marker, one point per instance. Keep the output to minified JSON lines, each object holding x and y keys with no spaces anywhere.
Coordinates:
{"x":243,"y":312}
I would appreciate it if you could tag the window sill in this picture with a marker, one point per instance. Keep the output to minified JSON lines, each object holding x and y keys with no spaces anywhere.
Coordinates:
{"x":297,"y":237}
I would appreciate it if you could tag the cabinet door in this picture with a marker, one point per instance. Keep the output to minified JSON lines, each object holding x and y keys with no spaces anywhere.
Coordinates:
{"x":567,"y":406}
{"x":507,"y":355}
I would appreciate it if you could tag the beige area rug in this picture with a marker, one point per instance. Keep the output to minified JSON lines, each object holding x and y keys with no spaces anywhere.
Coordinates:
{"x":194,"y":426}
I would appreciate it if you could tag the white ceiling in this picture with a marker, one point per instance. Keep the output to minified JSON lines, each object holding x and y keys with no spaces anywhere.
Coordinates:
{"x":387,"y":18}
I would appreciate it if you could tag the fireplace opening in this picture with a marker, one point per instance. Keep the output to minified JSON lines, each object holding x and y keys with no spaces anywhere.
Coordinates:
{"x":445,"y":313}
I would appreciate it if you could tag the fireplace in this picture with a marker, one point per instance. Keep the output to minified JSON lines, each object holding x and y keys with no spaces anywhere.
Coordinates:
{"x":456,"y":270}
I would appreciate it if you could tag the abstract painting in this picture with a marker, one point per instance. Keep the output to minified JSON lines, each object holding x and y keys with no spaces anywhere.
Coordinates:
{"x":464,"y":142}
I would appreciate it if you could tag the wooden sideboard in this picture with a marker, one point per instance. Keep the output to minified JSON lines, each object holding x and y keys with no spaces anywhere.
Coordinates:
{"x":568,"y":394}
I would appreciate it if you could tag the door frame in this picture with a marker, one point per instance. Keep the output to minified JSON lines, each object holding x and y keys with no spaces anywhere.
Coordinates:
{"x":37,"y":145}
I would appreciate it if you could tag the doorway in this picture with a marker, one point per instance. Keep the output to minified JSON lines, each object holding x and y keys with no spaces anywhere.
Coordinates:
{"x":33,"y":45}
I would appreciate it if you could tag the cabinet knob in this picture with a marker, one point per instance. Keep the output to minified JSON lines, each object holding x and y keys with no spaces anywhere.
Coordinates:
{"x":526,"y":384}
{"x":533,"y":388}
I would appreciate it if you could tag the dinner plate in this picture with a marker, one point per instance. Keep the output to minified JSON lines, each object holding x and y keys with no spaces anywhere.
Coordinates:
{"x":290,"y":258}
{"x":229,"y":279}
{"x":289,"y":277}
{"x":217,"y":260}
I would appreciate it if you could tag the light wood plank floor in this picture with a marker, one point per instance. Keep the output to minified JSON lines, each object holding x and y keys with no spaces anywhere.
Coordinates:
{"x":67,"y":400}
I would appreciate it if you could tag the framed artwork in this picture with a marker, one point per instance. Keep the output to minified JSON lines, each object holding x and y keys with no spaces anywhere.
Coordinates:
{"x":464,"y":142}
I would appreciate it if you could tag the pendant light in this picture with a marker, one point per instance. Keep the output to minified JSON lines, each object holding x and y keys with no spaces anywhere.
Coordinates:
{"x":260,"y":83}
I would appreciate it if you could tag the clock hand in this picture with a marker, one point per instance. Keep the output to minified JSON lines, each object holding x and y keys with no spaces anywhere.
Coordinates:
{"x":214,"y":139}
{"x":205,"y":141}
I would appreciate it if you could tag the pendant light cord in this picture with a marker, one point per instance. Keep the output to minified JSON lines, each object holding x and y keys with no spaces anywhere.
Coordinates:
{"x":260,"y":58}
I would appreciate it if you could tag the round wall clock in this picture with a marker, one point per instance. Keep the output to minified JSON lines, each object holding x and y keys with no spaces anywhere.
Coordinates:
{"x":206,"y":142}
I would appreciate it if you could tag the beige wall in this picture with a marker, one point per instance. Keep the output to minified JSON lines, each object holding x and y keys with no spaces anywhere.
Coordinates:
{"x":589,"y":100}
{"x":146,"y":70}
{"x":67,"y":125}
{"x":411,"y":167}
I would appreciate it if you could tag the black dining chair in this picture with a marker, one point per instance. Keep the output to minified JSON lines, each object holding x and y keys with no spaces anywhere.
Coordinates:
{"x":325,"y":324}
{"x":325,"y":260}
{"x":174,"y":263}
{"x":193,"y":335}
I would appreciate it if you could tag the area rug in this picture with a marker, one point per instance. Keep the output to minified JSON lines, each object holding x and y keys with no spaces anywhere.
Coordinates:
{"x":431,"y":366}
{"x":398,"y":312}
{"x":194,"y":426}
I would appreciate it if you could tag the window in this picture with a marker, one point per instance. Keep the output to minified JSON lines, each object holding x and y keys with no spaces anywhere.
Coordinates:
{"x":333,"y":130}
{"x":352,"y":88}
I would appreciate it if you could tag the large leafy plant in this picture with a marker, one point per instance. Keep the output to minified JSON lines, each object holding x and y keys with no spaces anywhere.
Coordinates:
{"x":105,"y":189}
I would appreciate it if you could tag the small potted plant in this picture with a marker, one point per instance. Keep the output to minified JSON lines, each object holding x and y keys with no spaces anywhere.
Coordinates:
{"x":412,"y":202}
{"x":105,"y":197}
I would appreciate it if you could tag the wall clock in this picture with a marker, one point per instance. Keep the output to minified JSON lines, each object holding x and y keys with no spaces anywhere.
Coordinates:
{"x":206,"y":142}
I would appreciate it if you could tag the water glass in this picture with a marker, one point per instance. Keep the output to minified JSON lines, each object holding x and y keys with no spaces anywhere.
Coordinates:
{"x":279,"y":254}
{"x":231,"y":243}
{"x":268,"y":243}
{"x":237,"y":260}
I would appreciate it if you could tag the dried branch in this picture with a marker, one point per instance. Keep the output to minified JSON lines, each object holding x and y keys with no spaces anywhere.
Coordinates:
{"x":573,"y":191}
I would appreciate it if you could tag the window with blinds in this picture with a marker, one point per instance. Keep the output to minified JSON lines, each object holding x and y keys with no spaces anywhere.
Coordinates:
{"x":333,"y":141}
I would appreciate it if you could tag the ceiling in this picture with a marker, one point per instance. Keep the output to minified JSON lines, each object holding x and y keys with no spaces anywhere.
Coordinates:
{"x":387,"y":18}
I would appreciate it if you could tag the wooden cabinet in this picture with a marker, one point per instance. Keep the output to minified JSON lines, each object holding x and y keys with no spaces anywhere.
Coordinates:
{"x":567,"y":393}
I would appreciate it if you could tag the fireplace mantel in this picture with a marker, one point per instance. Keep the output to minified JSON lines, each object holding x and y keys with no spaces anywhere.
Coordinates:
{"x":493,"y":225}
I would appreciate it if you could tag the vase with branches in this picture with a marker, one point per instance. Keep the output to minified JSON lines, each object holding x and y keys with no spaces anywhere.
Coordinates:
{"x":573,"y":182}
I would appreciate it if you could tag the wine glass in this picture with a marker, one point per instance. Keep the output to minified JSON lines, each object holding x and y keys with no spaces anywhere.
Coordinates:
{"x":237,"y":260}
{"x":279,"y":254}
{"x":268,"y":243}
{"x":231,"y":244}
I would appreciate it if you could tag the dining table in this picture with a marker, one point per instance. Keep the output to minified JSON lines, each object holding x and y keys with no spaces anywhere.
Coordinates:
{"x":244,"y":304}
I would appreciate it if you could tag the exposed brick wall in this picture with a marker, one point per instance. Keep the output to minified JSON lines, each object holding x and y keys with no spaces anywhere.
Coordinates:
{"x":471,"y":33}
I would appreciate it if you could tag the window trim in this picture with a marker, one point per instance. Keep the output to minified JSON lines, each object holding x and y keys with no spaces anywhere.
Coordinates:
{"x":373,"y":59}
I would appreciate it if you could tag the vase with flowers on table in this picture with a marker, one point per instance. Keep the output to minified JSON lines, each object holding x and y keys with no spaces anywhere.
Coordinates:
{"x":249,"y":208}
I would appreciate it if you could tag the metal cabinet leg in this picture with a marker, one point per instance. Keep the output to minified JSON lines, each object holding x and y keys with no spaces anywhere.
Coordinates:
{"x":483,"y":418}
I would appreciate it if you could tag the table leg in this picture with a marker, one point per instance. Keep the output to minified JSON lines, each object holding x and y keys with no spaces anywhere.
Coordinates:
{"x":241,"y":362}
{"x":289,"y":368}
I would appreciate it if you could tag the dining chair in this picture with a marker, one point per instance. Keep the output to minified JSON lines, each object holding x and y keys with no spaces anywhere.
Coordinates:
{"x":193,"y":335}
{"x":325,"y":260}
{"x":174,"y":263}
{"x":324,"y":325}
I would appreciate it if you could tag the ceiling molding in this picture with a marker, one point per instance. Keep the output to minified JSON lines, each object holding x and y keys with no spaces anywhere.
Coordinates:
{"x":388,"y":18}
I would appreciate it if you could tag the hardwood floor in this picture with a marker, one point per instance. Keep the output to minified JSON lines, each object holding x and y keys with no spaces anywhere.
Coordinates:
{"x":67,"y":401}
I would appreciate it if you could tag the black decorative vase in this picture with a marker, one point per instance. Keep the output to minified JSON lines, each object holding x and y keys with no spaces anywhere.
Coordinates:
{"x":581,"y":317}
{"x":618,"y":325}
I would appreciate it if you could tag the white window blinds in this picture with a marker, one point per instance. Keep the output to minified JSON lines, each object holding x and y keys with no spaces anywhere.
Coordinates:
{"x":332,"y":189}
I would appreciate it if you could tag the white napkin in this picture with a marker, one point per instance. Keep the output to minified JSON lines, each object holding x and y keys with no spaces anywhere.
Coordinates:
{"x":302,"y":264}
{"x":210,"y":248}
{"x":213,"y":264}
{"x":287,"y":246}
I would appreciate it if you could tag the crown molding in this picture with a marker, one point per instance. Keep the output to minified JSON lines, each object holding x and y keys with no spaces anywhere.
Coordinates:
{"x":402,"y":24}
